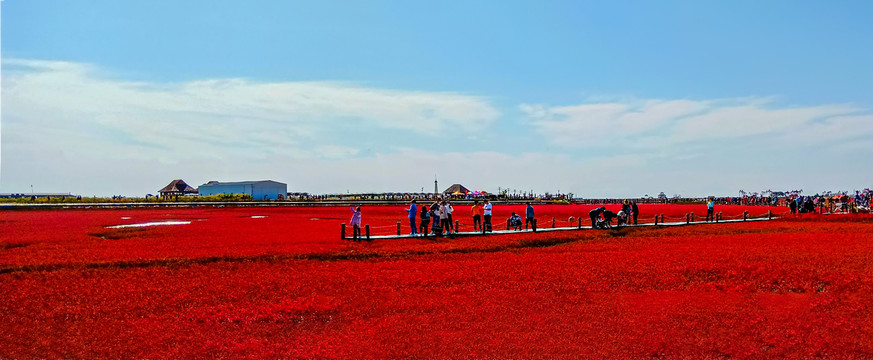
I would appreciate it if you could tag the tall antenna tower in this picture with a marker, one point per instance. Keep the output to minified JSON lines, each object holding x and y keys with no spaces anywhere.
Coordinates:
{"x":435,"y":187}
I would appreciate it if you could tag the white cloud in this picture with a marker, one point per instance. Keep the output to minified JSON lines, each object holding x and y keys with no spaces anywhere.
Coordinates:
{"x":67,"y":124}
{"x":78,"y":105}
{"x":651,"y":124}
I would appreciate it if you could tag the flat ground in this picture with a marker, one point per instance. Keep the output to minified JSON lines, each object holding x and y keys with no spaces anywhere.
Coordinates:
{"x":282,"y":284}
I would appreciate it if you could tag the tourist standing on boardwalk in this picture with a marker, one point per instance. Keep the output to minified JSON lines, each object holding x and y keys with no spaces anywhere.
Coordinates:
{"x":435,"y":215}
{"x":356,"y":222}
{"x":486,"y":211}
{"x":425,"y":220}
{"x":412,"y":211}
{"x":636,"y":211}
{"x":529,"y":215}
{"x":449,"y":210}
{"x":710,"y":208}
{"x":444,"y":217}
{"x":477,"y":215}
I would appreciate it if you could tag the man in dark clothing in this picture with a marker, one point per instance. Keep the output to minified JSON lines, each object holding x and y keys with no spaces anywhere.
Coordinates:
{"x":607,"y":218}
{"x":529,"y":216}
{"x":635,"y":211}
{"x":808,"y":205}
{"x":792,"y":205}
{"x":594,"y":214}
{"x":425,"y":220}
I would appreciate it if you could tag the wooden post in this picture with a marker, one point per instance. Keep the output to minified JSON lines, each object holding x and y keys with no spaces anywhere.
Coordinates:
{"x":553,"y":223}
{"x":368,"y":231}
{"x":687,"y":218}
{"x":507,"y":224}
{"x":769,"y":214}
{"x":663,"y":220}
{"x":398,"y":228}
{"x":718,"y":216}
{"x":692,"y":216}
{"x":578,"y":222}
{"x":656,"y":219}
{"x":457,"y":224}
{"x":745,"y":214}
{"x":533,"y":225}
{"x":343,"y":231}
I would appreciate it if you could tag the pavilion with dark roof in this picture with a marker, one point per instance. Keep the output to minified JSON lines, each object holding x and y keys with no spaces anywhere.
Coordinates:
{"x":177,"y":187}
{"x":456,"y":189}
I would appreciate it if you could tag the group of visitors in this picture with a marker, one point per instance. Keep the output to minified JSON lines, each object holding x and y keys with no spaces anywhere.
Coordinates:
{"x":806,"y":204}
{"x":514,"y":220}
{"x":481,"y":216}
{"x":441,"y":214}
{"x":601,"y":218}
{"x":823,"y":204}
{"x":443,"y":222}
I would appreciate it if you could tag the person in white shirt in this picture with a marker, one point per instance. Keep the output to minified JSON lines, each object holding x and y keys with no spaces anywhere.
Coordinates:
{"x":486,"y":225}
{"x":444,"y":217}
{"x":449,"y":210}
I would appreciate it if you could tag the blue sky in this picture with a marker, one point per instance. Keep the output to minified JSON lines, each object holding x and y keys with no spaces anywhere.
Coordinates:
{"x":596,"y":98}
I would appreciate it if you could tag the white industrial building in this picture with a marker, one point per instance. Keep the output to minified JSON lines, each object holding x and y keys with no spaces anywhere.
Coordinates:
{"x":259,"y":190}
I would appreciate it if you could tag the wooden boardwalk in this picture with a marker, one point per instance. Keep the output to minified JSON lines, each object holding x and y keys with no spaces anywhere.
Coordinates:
{"x":549,"y":229}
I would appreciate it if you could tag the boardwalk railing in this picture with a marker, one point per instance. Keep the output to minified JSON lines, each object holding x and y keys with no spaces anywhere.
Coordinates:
{"x":573,"y":223}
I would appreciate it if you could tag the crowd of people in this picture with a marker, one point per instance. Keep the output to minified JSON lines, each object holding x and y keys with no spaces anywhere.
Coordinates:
{"x":829,"y":204}
{"x":436,"y":219}
{"x":601,"y":218}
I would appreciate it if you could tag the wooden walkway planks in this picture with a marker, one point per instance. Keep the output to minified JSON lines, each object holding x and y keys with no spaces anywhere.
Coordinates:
{"x":571,"y":228}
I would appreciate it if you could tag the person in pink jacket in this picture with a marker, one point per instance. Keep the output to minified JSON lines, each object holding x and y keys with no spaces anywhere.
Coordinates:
{"x":356,"y":222}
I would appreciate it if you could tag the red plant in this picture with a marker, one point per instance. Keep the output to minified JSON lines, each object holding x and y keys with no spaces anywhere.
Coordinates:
{"x":286,"y":286}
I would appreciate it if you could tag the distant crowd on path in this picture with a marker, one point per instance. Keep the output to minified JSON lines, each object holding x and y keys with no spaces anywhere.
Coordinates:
{"x":842,"y":203}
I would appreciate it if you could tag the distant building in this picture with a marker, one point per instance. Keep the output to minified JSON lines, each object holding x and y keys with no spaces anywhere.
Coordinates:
{"x":259,"y":190}
{"x":456,"y":189}
{"x":36,"y":195}
{"x":177,"y":188}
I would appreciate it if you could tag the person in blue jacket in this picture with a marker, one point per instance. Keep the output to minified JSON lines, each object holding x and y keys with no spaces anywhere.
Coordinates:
{"x":515,"y":221}
{"x":529,"y":215}
{"x":413,"y":212}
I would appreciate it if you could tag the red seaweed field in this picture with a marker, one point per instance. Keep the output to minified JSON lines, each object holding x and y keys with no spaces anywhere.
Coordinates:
{"x":278,"y":282}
